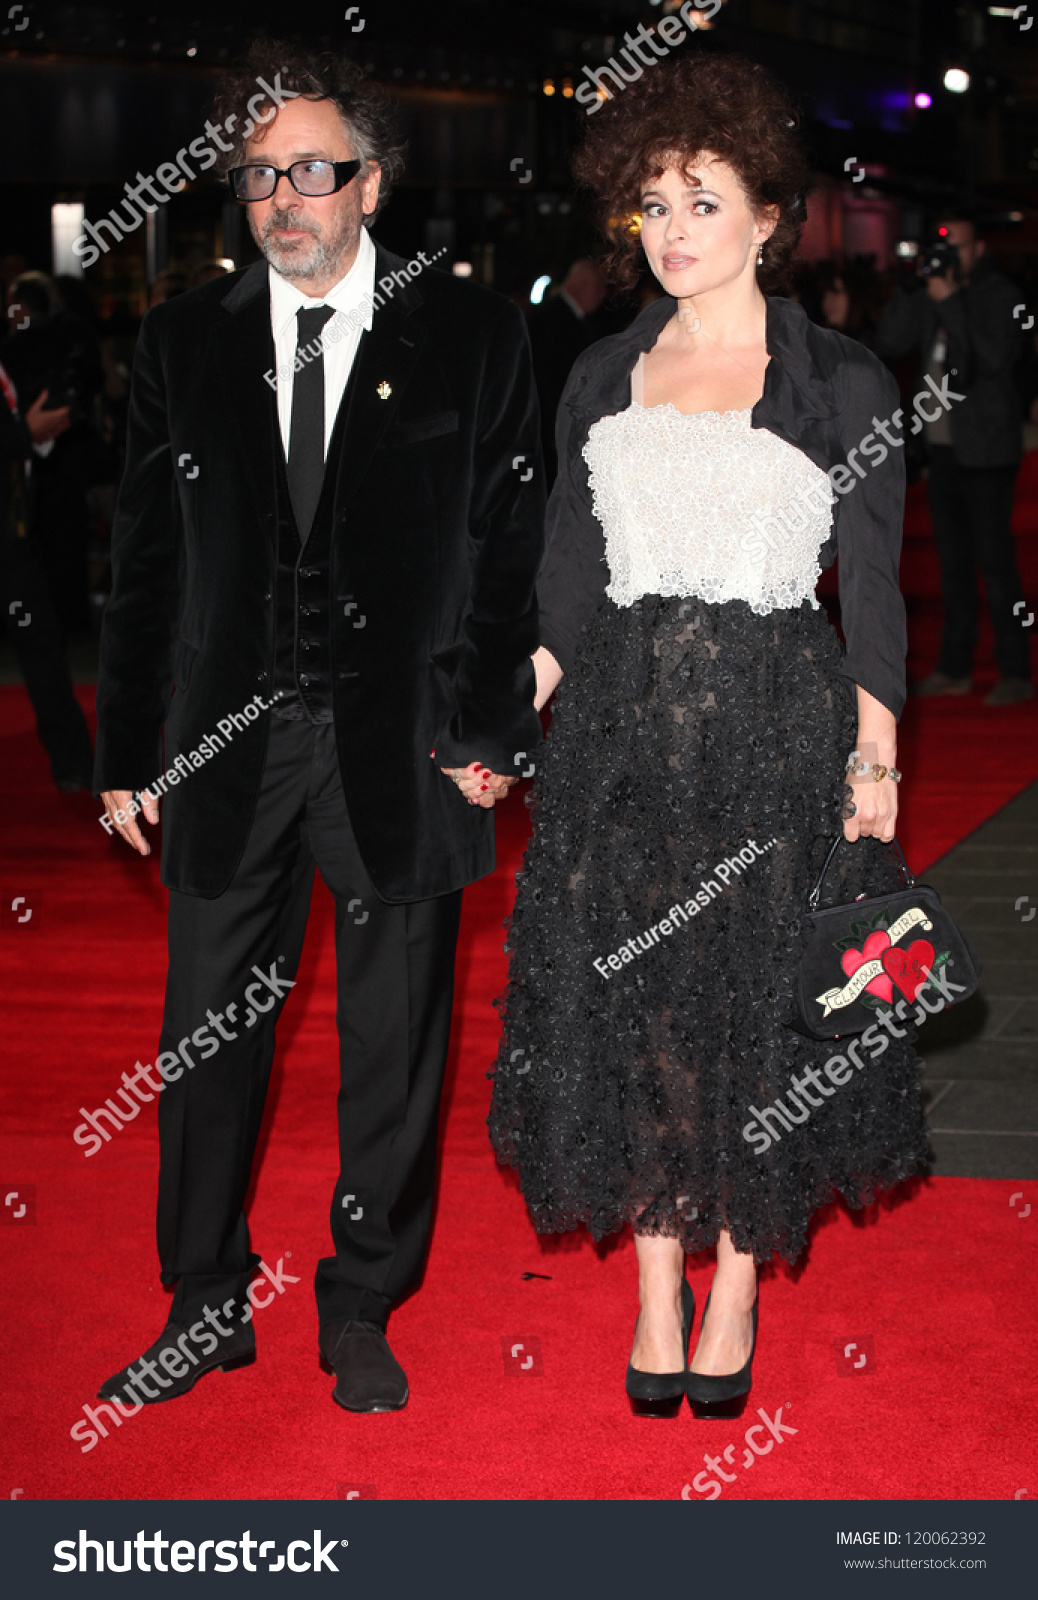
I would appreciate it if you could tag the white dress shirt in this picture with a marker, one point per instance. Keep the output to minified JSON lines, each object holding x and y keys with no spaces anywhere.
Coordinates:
{"x":352,"y":299}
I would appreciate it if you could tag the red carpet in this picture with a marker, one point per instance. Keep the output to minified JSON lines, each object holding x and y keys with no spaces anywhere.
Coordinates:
{"x":935,"y":1288}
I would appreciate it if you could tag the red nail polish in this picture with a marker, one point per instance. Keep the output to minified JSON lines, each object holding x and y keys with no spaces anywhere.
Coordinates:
{"x":483,"y":786}
{"x":475,"y":766}
{"x":486,"y":774}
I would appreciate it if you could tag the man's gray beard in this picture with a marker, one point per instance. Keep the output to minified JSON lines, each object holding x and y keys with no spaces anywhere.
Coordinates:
{"x":315,"y":259}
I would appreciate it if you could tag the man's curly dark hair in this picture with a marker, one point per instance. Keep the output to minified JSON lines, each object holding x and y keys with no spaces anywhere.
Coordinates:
{"x":704,"y":103}
{"x":368,"y":113}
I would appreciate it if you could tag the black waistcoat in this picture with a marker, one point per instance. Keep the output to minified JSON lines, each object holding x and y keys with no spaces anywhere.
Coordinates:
{"x":302,"y":644}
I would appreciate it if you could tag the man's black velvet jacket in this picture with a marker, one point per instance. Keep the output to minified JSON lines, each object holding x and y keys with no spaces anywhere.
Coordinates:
{"x":823,"y":394}
{"x":435,"y":545}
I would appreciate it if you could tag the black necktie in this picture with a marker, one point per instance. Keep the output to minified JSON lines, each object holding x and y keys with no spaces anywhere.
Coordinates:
{"x":306,"y":434}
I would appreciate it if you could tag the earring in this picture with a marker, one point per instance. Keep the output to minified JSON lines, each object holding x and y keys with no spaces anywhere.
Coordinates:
{"x":760,"y":255}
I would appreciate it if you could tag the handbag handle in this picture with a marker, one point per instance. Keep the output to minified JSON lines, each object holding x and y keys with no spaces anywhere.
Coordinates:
{"x":816,"y":893}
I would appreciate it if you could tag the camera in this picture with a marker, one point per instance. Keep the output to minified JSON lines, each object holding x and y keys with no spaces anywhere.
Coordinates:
{"x":939,"y":258}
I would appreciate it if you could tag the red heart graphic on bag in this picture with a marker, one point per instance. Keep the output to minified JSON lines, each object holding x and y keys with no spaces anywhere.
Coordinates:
{"x":906,"y":966}
{"x":851,"y":960}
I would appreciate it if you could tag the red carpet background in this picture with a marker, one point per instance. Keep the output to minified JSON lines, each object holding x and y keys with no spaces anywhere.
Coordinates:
{"x":934,"y":1286}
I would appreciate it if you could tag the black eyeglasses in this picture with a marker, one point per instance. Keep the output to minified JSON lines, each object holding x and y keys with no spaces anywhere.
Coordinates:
{"x":306,"y":177}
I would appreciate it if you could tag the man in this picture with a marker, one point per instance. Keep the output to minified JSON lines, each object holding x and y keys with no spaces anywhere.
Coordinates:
{"x":560,"y":330}
{"x":327,"y":539}
{"x":969,"y":341}
{"x":28,"y":429}
{"x":58,"y":351}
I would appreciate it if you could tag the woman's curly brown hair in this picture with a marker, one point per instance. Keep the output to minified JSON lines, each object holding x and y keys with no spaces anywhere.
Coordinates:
{"x":368,"y":113}
{"x":704,"y":103}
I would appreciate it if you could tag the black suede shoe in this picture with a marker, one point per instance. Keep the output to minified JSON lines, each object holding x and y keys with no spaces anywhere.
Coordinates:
{"x":368,"y":1375}
{"x":149,"y":1379}
{"x":659,"y":1394}
{"x":723,"y":1395}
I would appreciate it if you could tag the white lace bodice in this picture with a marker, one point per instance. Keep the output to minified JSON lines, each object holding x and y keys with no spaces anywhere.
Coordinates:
{"x":706,"y":505}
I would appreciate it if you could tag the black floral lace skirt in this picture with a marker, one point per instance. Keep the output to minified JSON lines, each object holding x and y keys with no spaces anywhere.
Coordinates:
{"x":690,"y":784}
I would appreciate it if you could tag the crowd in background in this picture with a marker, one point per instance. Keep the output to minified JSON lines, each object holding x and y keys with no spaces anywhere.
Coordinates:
{"x":66,"y":379}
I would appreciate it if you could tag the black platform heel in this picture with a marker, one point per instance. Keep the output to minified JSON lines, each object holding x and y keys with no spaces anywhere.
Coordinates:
{"x":723,"y":1394}
{"x":659,"y":1394}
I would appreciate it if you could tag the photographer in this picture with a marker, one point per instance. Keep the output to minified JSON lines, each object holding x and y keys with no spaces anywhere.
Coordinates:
{"x":25,"y":602}
{"x":50,"y":348}
{"x":958,"y":314}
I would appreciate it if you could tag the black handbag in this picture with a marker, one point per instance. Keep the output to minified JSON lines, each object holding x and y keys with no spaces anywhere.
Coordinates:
{"x":899,"y":953}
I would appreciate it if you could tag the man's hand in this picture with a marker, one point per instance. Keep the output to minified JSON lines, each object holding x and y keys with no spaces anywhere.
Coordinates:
{"x":43,"y":424}
{"x":479,"y":785}
{"x":117,"y":803}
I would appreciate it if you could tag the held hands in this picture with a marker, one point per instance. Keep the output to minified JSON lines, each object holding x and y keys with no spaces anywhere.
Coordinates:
{"x":478,"y":784}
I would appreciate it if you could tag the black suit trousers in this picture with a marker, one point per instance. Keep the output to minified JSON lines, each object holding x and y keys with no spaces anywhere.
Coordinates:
{"x":395,"y":966}
{"x":35,"y":633}
{"x":970,"y":508}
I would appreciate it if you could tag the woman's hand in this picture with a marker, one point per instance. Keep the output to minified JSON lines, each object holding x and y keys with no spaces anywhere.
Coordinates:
{"x":548,"y":674}
{"x":478,"y":784}
{"x":871,"y":809}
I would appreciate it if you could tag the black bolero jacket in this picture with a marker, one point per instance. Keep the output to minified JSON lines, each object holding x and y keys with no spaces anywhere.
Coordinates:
{"x":824,"y":394}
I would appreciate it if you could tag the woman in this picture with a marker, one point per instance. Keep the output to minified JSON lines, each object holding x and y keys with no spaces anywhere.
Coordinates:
{"x":846,"y":302}
{"x":704,"y":722}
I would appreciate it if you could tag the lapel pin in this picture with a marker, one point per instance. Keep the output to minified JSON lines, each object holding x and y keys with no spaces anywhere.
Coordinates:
{"x":384,"y":390}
